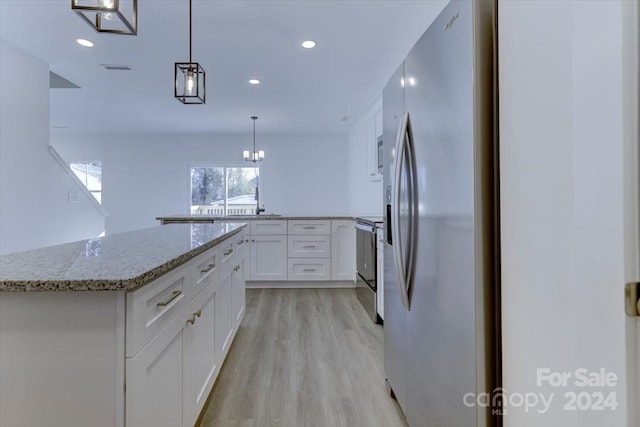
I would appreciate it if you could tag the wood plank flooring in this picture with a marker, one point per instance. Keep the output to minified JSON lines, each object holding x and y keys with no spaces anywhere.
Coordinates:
{"x":303,"y":357}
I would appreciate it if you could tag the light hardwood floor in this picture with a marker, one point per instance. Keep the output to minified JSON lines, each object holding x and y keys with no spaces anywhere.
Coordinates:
{"x":303,"y":357}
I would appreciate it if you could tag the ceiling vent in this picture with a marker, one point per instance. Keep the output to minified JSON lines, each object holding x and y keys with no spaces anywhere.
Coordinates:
{"x":116,"y":67}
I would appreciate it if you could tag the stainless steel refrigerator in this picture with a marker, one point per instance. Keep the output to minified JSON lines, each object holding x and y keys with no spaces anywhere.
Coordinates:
{"x":441,"y":294}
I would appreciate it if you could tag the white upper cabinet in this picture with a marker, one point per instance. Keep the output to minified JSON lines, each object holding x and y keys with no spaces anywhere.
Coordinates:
{"x":373,"y":135}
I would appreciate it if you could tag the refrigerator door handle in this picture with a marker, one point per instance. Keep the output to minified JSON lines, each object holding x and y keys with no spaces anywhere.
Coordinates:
{"x":412,"y":183}
{"x":399,"y":165}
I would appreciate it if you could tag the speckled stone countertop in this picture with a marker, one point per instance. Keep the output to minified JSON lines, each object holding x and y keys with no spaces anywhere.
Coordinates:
{"x":231,"y":218}
{"x":120,"y":262}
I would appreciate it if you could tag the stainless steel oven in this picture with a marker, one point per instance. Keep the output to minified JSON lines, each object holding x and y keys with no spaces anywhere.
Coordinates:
{"x":366,"y":266}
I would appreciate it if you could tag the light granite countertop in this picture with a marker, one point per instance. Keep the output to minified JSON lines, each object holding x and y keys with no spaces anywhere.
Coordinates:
{"x":120,"y":262}
{"x":233,"y":218}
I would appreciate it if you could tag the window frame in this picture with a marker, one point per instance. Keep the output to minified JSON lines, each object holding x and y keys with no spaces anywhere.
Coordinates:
{"x":225,"y":166}
{"x":86,"y":180}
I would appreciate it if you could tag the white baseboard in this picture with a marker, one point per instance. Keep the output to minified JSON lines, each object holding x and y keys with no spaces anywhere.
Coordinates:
{"x":300,"y":284}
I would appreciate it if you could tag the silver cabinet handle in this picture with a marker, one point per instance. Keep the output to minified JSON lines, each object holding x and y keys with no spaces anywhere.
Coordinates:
{"x":194,"y":316}
{"x":308,"y":247}
{"x":309,"y":228}
{"x":208,"y":269}
{"x":236,"y":268}
{"x":228,"y":252}
{"x":309,"y":270}
{"x":174,"y":295}
{"x":241,"y":241}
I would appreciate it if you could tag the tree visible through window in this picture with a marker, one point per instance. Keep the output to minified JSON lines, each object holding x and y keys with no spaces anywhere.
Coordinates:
{"x":90,"y":174}
{"x":224,"y":190}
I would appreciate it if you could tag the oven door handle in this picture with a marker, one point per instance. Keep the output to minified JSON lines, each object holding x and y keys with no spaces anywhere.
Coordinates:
{"x":365,"y":227}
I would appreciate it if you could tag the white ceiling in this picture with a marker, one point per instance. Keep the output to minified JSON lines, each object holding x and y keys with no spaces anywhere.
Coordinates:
{"x":360,"y":43}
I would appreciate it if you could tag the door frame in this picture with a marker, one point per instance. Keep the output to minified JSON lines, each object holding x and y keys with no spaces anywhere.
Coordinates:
{"x":631,"y":165}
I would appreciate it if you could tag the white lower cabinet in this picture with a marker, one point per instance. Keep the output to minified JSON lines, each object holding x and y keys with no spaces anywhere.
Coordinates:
{"x":169,"y":379}
{"x":154,"y":380}
{"x":224,"y":326}
{"x":237,"y":293}
{"x":343,"y":250}
{"x":268,"y":257}
{"x":200,"y":365}
{"x":309,"y":269}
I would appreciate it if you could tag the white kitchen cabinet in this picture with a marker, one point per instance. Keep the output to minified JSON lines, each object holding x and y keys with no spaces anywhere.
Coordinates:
{"x":154,"y":395}
{"x":238,"y":291}
{"x":309,"y":227}
{"x":343,"y":250}
{"x":309,"y":269}
{"x":269,"y":226}
{"x":223,"y":324}
{"x":201,"y":366}
{"x":373,"y":131}
{"x":150,"y":308}
{"x":380,"y":271}
{"x":268,"y":257}
{"x":310,"y":246}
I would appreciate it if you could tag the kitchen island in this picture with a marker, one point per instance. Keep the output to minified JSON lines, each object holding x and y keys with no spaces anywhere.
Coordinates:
{"x":129,"y":329}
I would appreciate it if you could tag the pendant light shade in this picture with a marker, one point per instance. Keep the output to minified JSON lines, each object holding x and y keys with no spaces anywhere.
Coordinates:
{"x":109,"y":16}
{"x":190,"y":86}
{"x":189,"y":78}
{"x":253,"y":156}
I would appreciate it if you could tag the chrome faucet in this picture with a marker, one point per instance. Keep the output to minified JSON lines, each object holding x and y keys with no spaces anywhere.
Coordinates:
{"x":258,"y":208}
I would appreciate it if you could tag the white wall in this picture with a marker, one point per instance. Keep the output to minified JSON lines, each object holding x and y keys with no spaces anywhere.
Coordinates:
{"x":365,"y":196}
{"x":145,"y":176}
{"x":34,"y":208}
{"x":562,"y":202}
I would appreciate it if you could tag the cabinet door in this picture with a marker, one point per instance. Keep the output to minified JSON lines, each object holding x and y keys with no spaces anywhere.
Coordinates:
{"x":238,"y":293}
{"x":269,"y":257}
{"x":373,"y":131}
{"x":343,"y":250}
{"x":201,"y":367}
{"x":223,"y":325}
{"x":154,"y":395}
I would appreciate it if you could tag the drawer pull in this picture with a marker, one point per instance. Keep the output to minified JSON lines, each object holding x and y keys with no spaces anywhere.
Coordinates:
{"x":241,"y":241}
{"x":208,"y":269}
{"x":309,"y":247}
{"x":174,"y":295}
{"x":193,"y":318}
{"x":309,"y":270}
{"x":228,"y":252}
{"x":309,"y":227}
{"x":236,"y":268}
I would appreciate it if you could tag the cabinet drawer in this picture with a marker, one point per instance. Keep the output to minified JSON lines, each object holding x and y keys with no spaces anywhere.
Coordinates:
{"x":206,"y":269}
{"x":309,"y":269}
{"x":269,"y":227}
{"x":309,"y":226}
{"x":152,"y":307}
{"x":309,"y":246}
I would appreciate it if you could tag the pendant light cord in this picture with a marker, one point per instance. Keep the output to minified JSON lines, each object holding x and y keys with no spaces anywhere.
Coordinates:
{"x":190,"y":31}
{"x":254,"y":133}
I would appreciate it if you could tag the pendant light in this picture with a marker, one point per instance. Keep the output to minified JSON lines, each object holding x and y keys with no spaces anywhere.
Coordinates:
{"x":254,"y":156}
{"x":189,"y":78}
{"x":106,"y":16}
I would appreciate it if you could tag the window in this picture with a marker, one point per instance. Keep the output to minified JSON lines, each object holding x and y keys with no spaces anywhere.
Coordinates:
{"x":224,"y":190}
{"x":90,"y":174}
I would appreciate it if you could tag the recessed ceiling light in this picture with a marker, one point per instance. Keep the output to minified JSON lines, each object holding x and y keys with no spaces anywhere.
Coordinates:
{"x":85,"y":43}
{"x":254,"y":81}
{"x":309,"y":44}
